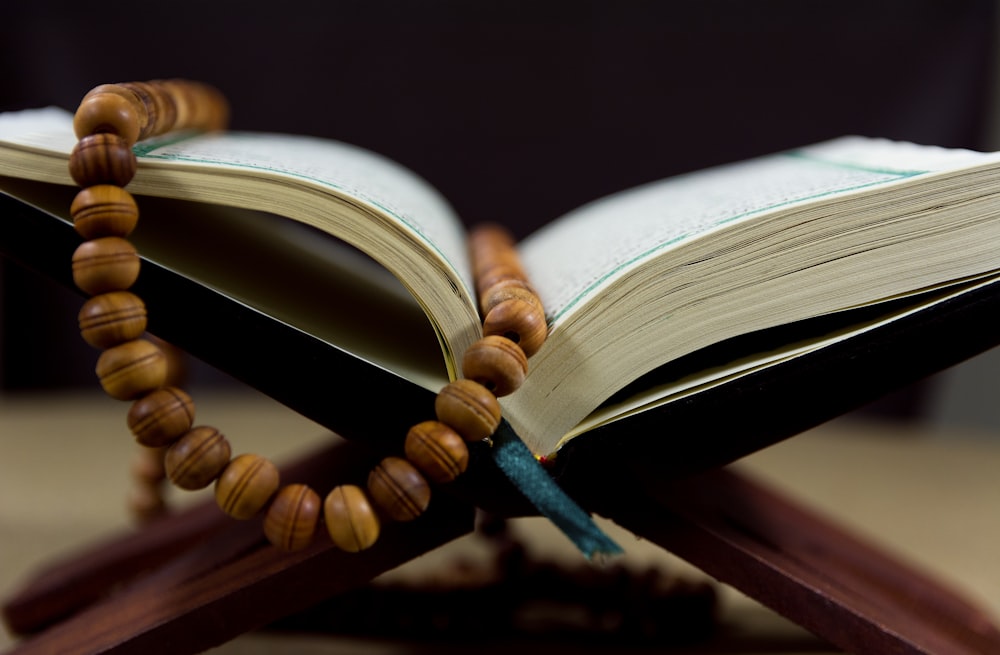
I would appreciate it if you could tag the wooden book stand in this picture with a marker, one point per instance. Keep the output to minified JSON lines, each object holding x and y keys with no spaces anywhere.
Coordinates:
{"x":197,"y":579}
{"x":192,"y":581}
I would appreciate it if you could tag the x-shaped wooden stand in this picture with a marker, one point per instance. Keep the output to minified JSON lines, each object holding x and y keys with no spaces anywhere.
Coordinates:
{"x":198,"y":579}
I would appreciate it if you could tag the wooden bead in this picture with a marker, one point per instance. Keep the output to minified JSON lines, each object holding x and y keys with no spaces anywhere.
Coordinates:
{"x":161,"y":417}
{"x":197,"y":458}
{"x":102,"y":159}
{"x":398,"y":489}
{"x":149,"y":107}
{"x":490,"y":241}
{"x":350,"y":519}
{"x":147,"y":466}
{"x":246,"y":485}
{"x":520,"y":321}
{"x":107,"y":112}
{"x":198,"y":106}
{"x":166,"y":105}
{"x":159,"y":106}
{"x":112,"y":318}
{"x":131,"y":369}
{"x":213,"y":109}
{"x":510,"y":306}
{"x":506,"y":290}
{"x":145,"y":502}
{"x":469,"y":408}
{"x":185,"y":101}
{"x":497,"y":363}
{"x":498,"y":273}
{"x":291,"y":520}
{"x":105,"y":264}
{"x":437,"y":451}
{"x":142,"y":116}
{"x":177,"y":364}
{"x":494,"y":256}
{"x":104,"y":210}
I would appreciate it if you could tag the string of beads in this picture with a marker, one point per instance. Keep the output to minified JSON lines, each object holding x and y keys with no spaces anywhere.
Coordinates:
{"x":110,"y":120}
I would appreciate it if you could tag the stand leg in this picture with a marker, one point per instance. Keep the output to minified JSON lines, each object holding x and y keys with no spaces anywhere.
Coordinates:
{"x":198,"y":579}
{"x":805,"y":568}
{"x":811,"y":571}
{"x":68,"y":586}
{"x":233,"y":583}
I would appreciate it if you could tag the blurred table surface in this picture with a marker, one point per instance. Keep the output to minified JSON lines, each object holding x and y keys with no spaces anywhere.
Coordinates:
{"x":929,"y":495}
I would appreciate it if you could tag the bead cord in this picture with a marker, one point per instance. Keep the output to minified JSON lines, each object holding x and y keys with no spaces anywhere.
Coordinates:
{"x":110,"y":120}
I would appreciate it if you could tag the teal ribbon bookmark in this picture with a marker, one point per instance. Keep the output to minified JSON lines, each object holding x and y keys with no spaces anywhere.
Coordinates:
{"x":527,"y":474}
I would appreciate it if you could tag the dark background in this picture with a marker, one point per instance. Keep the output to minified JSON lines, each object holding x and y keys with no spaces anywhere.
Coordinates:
{"x":516,"y":111}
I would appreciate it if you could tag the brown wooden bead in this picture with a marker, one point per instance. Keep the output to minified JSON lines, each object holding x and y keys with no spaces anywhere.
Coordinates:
{"x":159,"y":106}
{"x":469,"y":408}
{"x":437,"y":451}
{"x":197,"y":458}
{"x":147,"y":466}
{"x":104,"y":210}
{"x":490,"y":241}
{"x":199,"y":106}
{"x":497,"y":363}
{"x":350,"y":519}
{"x":290,"y":522}
{"x":246,"y":485}
{"x":131,"y":369}
{"x":217,"y":115}
{"x":142,"y":116}
{"x":399,"y":489}
{"x":494,"y":256}
{"x":185,"y":101}
{"x":166,"y":106}
{"x":112,"y":318}
{"x":506,"y":299}
{"x":497,"y":273}
{"x":500,"y":275}
{"x":211,"y":110}
{"x":145,"y":502}
{"x":102,"y":159}
{"x":161,"y":417}
{"x":105,"y":264}
{"x":520,"y":321}
{"x":177,"y":364}
{"x":107,"y":112}
{"x":506,"y":290}
{"x":149,"y":107}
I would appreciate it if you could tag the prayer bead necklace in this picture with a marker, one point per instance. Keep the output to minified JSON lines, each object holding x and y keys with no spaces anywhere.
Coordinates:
{"x":110,"y":120}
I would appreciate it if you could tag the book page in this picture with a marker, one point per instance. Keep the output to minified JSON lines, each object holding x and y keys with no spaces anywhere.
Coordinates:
{"x":700,"y":380}
{"x":640,"y":278}
{"x":354,"y":171}
{"x":572,"y":258}
{"x":359,"y":197}
{"x":359,"y":173}
{"x":293,"y":273}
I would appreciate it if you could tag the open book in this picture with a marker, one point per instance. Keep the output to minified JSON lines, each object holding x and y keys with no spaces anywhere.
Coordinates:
{"x":357,"y":251}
